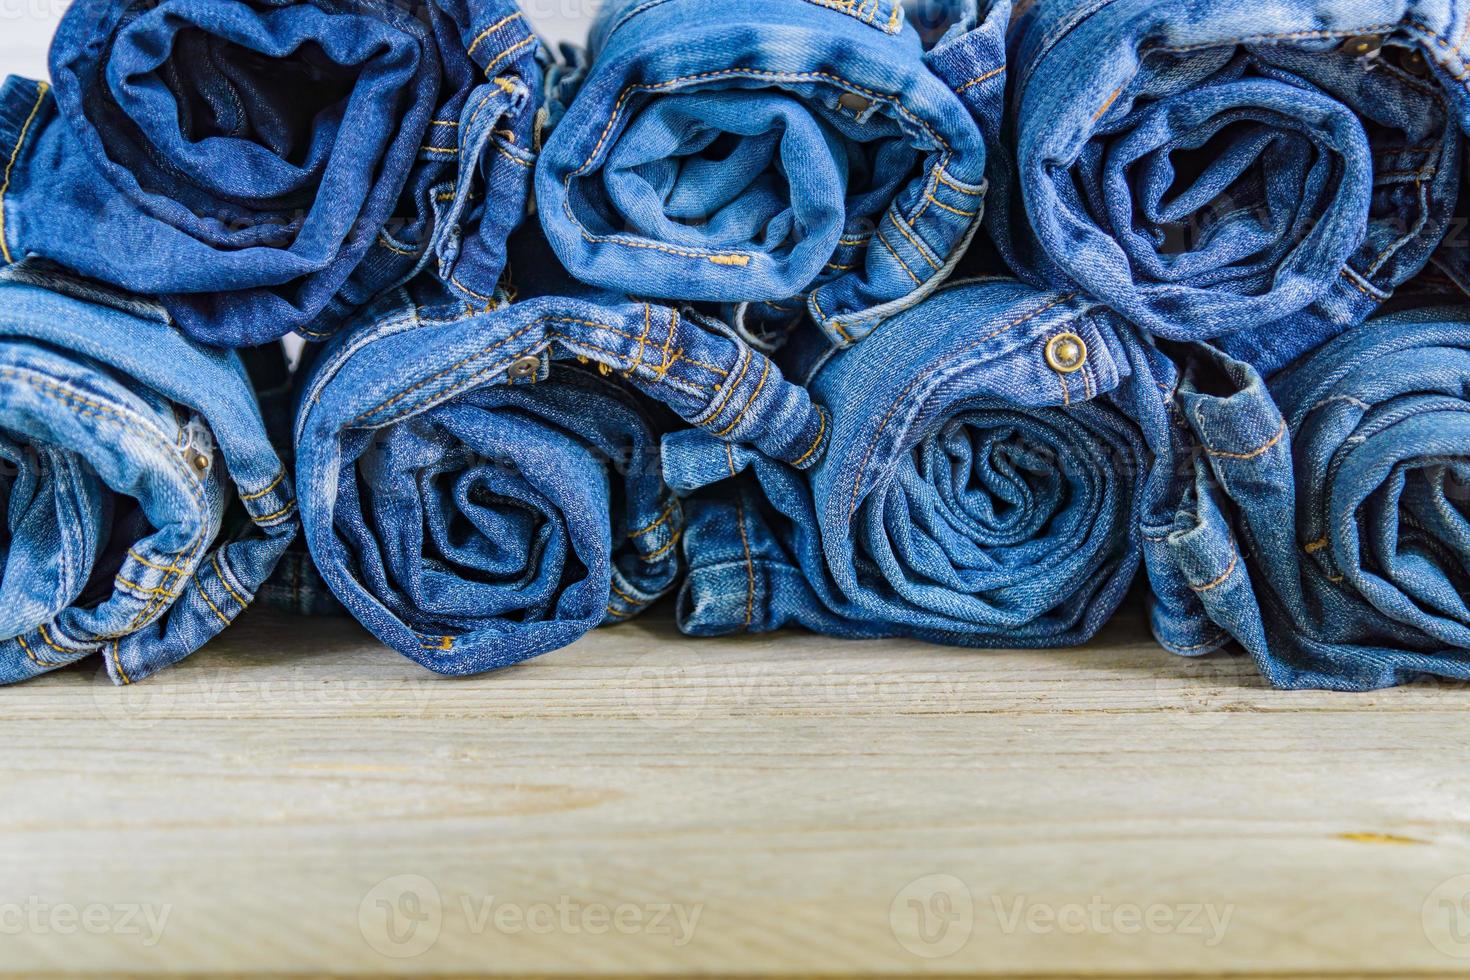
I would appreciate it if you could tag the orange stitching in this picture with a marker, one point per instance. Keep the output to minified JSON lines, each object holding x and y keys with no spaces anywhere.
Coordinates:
{"x":976,"y":81}
{"x":1234,"y":558}
{"x":491,"y":30}
{"x":15,"y":155}
{"x":765,"y":373}
{"x":1259,"y":451}
{"x":821,"y":431}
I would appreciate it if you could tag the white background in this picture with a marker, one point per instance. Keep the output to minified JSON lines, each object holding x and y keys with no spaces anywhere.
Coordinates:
{"x":26,"y":27}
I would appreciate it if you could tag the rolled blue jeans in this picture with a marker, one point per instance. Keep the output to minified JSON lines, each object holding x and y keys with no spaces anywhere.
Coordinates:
{"x":141,"y":503}
{"x":1328,"y":527}
{"x":486,"y":484}
{"x":777,"y":155}
{"x":988,"y":468}
{"x":266,"y":167}
{"x":1266,"y":175}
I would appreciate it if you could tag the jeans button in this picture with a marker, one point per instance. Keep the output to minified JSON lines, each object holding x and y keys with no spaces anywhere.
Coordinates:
{"x":1363,"y":45}
{"x":525,"y":367}
{"x":853,"y":101}
{"x":1066,"y":352}
{"x":1412,"y":61}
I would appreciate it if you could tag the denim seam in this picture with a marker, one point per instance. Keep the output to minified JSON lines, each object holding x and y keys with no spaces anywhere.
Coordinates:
{"x":816,"y":443}
{"x":765,"y":374}
{"x":1223,"y":577}
{"x":490,"y":30}
{"x":903,"y":396}
{"x":203,"y":594}
{"x":899,"y":259}
{"x":673,"y":541}
{"x":923,"y":252}
{"x":20,"y":142}
{"x":1250,"y":454}
{"x":35,"y":659}
{"x":1218,"y":639}
{"x":976,"y":81}
{"x":668,"y":512}
{"x":749,"y":565}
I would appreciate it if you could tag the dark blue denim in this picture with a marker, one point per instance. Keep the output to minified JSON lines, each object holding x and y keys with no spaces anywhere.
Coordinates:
{"x":1264,"y":175}
{"x":268,"y":166}
{"x":1327,"y":528}
{"x":141,"y":502}
{"x":486,"y":484}
{"x":777,"y":156}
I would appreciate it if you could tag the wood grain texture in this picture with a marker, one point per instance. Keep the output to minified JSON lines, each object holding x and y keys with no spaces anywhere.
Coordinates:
{"x":297,"y":798}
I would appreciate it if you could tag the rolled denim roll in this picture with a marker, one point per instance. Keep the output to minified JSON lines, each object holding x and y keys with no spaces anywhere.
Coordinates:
{"x":486,"y":486}
{"x":1328,"y":530}
{"x":1215,"y":169}
{"x":267,"y":167}
{"x":777,"y":154}
{"x":141,"y":503}
{"x":987,"y":470}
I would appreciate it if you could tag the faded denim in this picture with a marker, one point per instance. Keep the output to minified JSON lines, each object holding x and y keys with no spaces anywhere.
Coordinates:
{"x":776,"y":155}
{"x":1328,"y":528}
{"x":266,"y":167}
{"x":141,"y":503}
{"x":989,"y":465}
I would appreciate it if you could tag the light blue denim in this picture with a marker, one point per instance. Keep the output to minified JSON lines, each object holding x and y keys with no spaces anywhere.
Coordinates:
{"x":485,"y":485}
{"x":1264,"y":174}
{"x":141,"y":503}
{"x":990,"y":462}
{"x":267,"y":167}
{"x":1328,"y":525}
{"x":776,"y":156}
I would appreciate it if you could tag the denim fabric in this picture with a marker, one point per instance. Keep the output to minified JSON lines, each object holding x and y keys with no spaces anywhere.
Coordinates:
{"x":141,"y":503}
{"x":267,"y":166}
{"x":485,"y":484}
{"x":776,"y":154}
{"x":1329,"y":526}
{"x":1267,"y":174}
{"x":989,"y":468}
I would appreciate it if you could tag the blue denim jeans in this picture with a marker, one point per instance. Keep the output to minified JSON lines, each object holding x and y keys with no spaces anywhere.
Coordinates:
{"x":485,"y":485}
{"x":1262,"y":174}
{"x":1327,"y":528}
{"x":990,"y":463}
{"x":268,"y":167}
{"x":776,"y":155}
{"x":141,"y":503}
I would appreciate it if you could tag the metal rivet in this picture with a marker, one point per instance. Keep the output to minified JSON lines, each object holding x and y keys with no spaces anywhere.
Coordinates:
{"x":855,"y":102}
{"x":201,"y":462}
{"x":1066,"y":352}
{"x":525,"y":367}
{"x":1412,"y":61}
{"x":1363,"y":45}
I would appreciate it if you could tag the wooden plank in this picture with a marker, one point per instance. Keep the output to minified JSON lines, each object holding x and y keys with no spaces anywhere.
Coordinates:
{"x":285,"y":798}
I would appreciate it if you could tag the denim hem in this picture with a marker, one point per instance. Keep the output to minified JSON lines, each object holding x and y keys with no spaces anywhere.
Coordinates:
{"x":23,"y":103}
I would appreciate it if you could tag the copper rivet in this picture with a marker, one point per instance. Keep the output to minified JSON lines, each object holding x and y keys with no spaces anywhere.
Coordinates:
{"x":1066,"y":352}
{"x":1362,"y":45}
{"x":853,"y":101}
{"x":525,"y":367}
